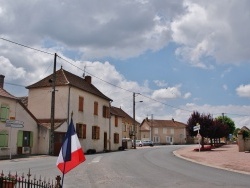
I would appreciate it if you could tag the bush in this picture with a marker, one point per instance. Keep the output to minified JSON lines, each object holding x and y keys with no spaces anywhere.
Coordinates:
{"x":205,"y":148}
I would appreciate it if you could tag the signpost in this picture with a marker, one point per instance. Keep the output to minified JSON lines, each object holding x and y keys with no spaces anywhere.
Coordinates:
{"x":13,"y":124}
{"x":197,"y":128}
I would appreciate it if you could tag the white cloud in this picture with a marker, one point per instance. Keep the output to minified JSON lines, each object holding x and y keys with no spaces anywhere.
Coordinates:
{"x":213,"y":30}
{"x":168,"y":93}
{"x":160,"y":83}
{"x":187,"y":95}
{"x":243,"y":90}
{"x":225,"y":87}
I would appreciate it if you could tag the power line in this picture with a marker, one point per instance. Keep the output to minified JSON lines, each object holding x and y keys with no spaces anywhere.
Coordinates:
{"x":96,"y":77}
{"x":26,"y":46}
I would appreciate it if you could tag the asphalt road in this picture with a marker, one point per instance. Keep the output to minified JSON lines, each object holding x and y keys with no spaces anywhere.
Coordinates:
{"x":147,"y":167}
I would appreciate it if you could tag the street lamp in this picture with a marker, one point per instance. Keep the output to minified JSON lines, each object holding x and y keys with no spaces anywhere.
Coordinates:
{"x":134,"y":119}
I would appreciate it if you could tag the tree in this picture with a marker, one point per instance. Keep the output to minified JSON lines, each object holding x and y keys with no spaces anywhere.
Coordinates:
{"x":205,"y":121}
{"x":236,"y":132}
{"x":229,"y":122}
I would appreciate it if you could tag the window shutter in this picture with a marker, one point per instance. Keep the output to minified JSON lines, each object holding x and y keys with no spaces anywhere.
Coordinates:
{"x":31,"y":139}
{"x":93,"y":132}
{"x":20,"y":139}
{"x":4,"y":137}
{"x":104,"y":108}
{"x":95,"y":108}
{"x":4,"y":113}
{"x":80,"y":105}
{"x":84,"y":131}
{"x":97,"y":132}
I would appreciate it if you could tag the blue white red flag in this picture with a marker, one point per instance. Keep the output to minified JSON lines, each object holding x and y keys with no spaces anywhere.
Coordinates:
{"x":71,"y":153}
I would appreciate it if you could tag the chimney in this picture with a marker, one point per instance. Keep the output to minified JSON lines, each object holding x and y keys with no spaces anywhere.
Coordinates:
{"x":1,"y":81}
{"x":88,"y":79}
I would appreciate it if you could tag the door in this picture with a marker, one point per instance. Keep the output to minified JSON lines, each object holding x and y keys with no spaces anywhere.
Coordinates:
{"x":105,"y":141}
{"x":59,"y":137}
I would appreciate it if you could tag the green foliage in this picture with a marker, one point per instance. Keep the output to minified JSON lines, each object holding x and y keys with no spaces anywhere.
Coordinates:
{"x":245,"y":134}
{"x":236,"y":132}
{"x":229,"y":122}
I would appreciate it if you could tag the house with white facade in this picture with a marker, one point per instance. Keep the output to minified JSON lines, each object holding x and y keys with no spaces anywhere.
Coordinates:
{"x":18,"y":126}
{"x":163,"y":131}
{"x":75,"y":94}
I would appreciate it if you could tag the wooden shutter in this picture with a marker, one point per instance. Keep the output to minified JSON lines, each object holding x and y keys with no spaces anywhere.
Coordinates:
{"x":20,"y":139}
{"x":81,"y":103}
{"x":4,"y":113}
{"x":31,"y":139}
{"x":4,"y":137}
{"x":95,"y":108}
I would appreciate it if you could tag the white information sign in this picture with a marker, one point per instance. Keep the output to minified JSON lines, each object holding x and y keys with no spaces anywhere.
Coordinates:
{"x":14,"y":123}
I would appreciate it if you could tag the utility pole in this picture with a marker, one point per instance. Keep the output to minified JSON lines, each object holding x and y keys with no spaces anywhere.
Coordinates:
{"x":134,"y":120}
{"x":52,"y":136}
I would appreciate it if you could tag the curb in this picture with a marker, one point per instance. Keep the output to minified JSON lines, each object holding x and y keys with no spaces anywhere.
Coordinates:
{"x":206,"y":164}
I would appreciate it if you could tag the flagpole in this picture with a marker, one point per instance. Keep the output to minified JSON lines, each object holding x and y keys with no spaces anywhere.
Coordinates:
{"x":64,"y":165}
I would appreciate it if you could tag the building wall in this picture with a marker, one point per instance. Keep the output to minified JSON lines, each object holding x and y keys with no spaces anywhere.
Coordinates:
{"x":17,"y":112}
{"x":87,"y":117}
{"x":163,"y":135}
{"x":40,"y":104}
{"x":114,"y":129}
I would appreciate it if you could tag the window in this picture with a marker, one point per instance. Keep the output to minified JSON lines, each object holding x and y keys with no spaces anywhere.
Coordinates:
{"x":172,"y":131}
{"x":95,"y":132}
{"x":124,"y":127}
{"x":4,"y":112}
{"x":24,"y":139}
{"x":156,"y":130}
{"x":105,"y":112}
{"x":164,"y":130}
{"x":116,"y":138}
{"x":116,"y":121}
{"x":81,"y":130}
{"x":80,"y":105}
{"x":96,"y":108}
{"x":4,"y":137}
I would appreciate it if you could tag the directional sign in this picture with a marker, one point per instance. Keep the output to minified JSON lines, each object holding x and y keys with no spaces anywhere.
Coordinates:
{"x":196,"y":128}
{"x":14,"y":124}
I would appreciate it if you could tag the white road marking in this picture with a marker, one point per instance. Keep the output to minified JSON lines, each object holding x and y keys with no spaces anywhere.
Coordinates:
{"x":96,"y":159}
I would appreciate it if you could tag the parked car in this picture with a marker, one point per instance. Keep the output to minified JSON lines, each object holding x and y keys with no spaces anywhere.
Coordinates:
{"x":138,"y":143}
{"x":147,"y":143}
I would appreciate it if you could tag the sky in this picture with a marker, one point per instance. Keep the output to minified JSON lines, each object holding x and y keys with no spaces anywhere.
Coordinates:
{"x":176,"y":56}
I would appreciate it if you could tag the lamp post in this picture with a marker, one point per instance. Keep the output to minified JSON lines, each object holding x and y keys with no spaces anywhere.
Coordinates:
{"x":135,"y":127}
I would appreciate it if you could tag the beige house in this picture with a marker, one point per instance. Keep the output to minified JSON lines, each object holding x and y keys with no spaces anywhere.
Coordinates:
{"x":163,"y":131}
{"x":74,"y":94}
{"x":127,"y":124}
{"x":18,"y":126}
{"x":127,"y":127}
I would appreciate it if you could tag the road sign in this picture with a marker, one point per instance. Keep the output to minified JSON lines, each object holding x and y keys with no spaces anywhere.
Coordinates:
{"x":196,"y":128}
{"x":14,"y":123}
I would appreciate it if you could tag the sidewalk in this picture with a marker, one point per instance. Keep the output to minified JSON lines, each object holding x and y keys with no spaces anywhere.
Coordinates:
{"x":226,"y":157}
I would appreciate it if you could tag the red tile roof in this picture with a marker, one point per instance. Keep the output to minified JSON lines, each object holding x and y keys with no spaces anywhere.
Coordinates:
{"x":120,"y":112}
{"x":162,"y":123}
{"x":4,"y":93}
{"x":64,"y":78}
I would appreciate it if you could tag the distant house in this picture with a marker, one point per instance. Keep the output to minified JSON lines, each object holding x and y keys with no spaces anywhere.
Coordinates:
{"x":127,"y":126}
{"x":18,"y":126}
{"x":75,"y":94}
{"x":163,"y":131}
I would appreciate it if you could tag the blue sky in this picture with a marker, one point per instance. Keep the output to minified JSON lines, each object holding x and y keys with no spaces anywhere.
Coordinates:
{"x":180,"y":56}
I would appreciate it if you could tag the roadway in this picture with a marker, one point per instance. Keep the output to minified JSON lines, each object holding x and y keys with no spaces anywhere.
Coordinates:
{"x":145,"y":167}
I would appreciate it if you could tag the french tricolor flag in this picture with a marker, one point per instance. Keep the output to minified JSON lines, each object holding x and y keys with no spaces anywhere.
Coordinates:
{"x":71,"y":153}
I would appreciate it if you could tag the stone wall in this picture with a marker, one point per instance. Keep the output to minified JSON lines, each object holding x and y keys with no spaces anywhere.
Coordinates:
{"x":243,"y":143}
